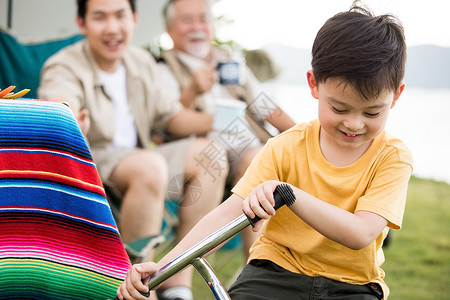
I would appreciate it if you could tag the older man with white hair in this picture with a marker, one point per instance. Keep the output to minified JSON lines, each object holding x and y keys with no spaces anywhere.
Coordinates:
{"x":190,"y":72}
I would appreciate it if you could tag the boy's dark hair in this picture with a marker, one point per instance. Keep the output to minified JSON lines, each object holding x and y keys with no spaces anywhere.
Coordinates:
{"x":366,"y":51}
{"x":82,"y":7}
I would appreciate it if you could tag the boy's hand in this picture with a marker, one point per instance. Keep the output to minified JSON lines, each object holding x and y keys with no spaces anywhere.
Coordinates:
{"x":133,"y":283}
{"x":260,"y":202}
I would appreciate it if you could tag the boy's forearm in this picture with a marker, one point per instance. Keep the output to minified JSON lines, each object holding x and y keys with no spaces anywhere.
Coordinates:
{"x":354,"y":230}
{"x":216,"y":219}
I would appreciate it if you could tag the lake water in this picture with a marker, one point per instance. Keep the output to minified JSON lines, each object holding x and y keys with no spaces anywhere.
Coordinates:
{"x":421,"y":118}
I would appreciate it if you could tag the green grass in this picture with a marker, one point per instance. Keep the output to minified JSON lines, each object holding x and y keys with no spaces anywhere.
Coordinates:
{"x":417,"y":260}
{"x":226,"y":264}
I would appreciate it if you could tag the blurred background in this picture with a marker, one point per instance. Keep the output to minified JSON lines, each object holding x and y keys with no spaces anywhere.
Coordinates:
{"x":285,"y":30}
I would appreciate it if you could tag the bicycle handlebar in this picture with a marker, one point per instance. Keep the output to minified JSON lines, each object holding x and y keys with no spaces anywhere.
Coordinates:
{"x":283,"y":194}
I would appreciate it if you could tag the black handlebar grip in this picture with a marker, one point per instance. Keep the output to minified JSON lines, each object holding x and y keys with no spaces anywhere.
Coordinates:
{"x":282,"y":195}
{"x":145,"y":294}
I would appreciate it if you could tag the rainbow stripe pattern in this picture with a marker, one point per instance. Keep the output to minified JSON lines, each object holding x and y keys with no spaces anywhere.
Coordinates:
{"x":58,"y":239}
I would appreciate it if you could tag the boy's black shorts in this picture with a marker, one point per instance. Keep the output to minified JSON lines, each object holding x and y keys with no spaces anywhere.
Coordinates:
{"x":262,"y":279}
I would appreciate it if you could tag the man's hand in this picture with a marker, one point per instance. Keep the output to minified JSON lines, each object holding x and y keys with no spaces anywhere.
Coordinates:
{"x":83,"y":121}
{"x":203,"y":80}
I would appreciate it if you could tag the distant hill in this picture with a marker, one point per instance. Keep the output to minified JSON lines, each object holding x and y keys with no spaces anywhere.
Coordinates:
{"x":427,"y":66}
{"x":293,"y":62}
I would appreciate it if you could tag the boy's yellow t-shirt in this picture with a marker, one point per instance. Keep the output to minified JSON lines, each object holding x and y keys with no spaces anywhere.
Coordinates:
{"x":377,"y":182}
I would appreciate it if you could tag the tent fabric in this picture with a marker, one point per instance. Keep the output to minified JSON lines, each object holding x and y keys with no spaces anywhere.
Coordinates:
{"x":20,"y":64}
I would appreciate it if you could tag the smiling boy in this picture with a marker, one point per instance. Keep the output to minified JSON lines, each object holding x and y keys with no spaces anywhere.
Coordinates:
{"x":349,"y":177}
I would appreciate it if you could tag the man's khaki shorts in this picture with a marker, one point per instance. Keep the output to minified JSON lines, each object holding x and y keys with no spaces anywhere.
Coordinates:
{"x":174,"y":153}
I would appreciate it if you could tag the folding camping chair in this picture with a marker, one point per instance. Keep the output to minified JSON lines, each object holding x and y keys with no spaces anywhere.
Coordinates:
{"x":58,"y":238}
{"x":21,"y":63}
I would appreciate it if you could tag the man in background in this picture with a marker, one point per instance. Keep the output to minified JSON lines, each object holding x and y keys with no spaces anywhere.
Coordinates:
{"x":189,"y":71}
{"x":115,"y":94}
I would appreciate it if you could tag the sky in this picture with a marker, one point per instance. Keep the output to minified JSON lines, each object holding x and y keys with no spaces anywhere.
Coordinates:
{"x":296,"y":22}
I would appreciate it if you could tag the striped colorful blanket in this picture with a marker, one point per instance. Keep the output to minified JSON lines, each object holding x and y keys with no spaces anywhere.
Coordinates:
{"x":58,"y":239}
